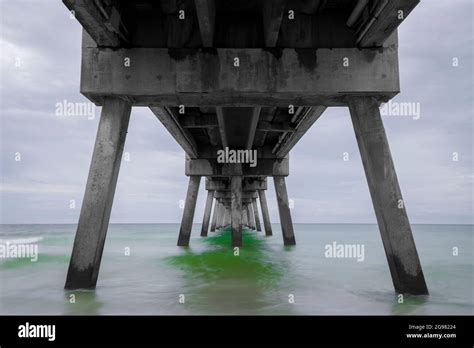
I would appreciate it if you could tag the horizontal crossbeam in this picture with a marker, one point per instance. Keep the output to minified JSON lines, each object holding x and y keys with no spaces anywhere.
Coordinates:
{"x":238,"y":77}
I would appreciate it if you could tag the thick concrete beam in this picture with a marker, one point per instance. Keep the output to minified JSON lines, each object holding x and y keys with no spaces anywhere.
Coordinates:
{"x":257,"y":218}
{"x":265,"y":214}
{"x":99,"y":195}
{"x":264,"y":168}
{"x":279,"y":127}
{"x":397,"y":237}
{"x":182,"y":136}
{"x":247,"y":185}
{"x":288,"y":140}
{"x":207,"y":213}
{"x":272,"y":16}
{"x":385,"y":24}
{"x":221,"y":121}
{"x":193,"y":77}
{"x":284,"y":211}
{"x":210,"y":121}
{"x":91,"y":19}
{"x":214,"y":216}
{"x":236,"y":211}
{"x":252,"y":126}
{"x":225,"y":196}
{"x":206,"y":13}
{"x":188,"y":213}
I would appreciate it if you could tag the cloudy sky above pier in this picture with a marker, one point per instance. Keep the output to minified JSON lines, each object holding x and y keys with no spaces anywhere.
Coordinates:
{"x":40,"y":67}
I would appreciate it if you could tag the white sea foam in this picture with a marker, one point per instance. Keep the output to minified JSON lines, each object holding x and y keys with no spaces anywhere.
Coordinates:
{"x":21,"y":240}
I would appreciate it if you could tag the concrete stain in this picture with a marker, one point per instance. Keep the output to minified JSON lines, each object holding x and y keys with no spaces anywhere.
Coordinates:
{"x":307,"y":58}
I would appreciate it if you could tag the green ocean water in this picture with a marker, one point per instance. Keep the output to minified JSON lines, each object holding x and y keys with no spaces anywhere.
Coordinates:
{"x":263,"y":279}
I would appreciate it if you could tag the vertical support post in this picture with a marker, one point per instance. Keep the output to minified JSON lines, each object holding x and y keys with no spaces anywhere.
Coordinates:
{"x":189,"y":208}
{"x":236,"y":206}
{"x":392,"y":218}
{"x":207,"y":213}
{"x":251,"y":216}
{"x":221,"y":215}
{"x":226,"y":216}
{"x":284,"y":210}
{"x":214,"y":216}
{"x":245,"y":220}
{"x":265,"y":214}
{"x":99,"y":195}
{"x":256,"y":216}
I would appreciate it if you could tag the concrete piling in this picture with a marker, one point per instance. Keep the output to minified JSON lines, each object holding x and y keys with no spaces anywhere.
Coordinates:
{"x":207,"y":213}
{"x":98,"y":197}
{"x":284,"y":210}
{"x":397,"y":237}
{"x":188,"y":213}
{"x":256,"y":215}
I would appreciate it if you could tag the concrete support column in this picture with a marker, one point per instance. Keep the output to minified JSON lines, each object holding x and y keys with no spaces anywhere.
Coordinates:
{"x":250,"y":214}
{"x":226,"y":217}
{"x":214,"y":216}
{"x":207,"y":213}
{"x":397,"y":237}
{"x":284,"y":210}
{"x":245,"y":220}
{"x":236,"y":207}
{"x":221,"y":216}
{"x":189,"y":208}
{"x":265,"y":214}
{"x":99,"y":195}
{"x":256,"y":216}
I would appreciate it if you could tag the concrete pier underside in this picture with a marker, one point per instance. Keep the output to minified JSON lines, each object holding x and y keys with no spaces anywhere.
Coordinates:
{"x":215,"y":82}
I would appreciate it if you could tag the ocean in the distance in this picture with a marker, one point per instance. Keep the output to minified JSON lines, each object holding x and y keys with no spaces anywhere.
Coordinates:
{"x":262,"y":280}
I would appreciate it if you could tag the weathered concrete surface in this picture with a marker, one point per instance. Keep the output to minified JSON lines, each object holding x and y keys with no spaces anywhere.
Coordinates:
{"x":265,"y":215}
{"x":236,"y":186}
{"x":287,"y":141}
{"x":163,"y":77}
{"x":100,"y":189}
{"x":181,"y":135}
{"x":188,"y":212}
{"x":392,"y":218}
{"x":207,"y":213}
{"x":284,"y":210}
{"x":257,"y":218}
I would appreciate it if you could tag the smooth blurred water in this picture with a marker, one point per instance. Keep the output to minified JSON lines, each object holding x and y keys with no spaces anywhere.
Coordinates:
{"x":258,"y":281}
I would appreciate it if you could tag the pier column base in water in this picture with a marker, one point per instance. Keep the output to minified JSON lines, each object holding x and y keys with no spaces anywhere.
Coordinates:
{"x":220,"y":218}
{"x":284,"y":210}
{"x":100,"y":189}
{"x":250,"y":215}
{"x":256,"y":216}
{"x":397,"y":237}
{"x":214,"y":216}
{"x":189,"y":208}
{"x":236,"y":210}
{"x":265,"y":215}
{"x":207,"y":213}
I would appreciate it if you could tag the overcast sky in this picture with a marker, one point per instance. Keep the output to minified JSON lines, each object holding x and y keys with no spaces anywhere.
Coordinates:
{"x":40,"y":66}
